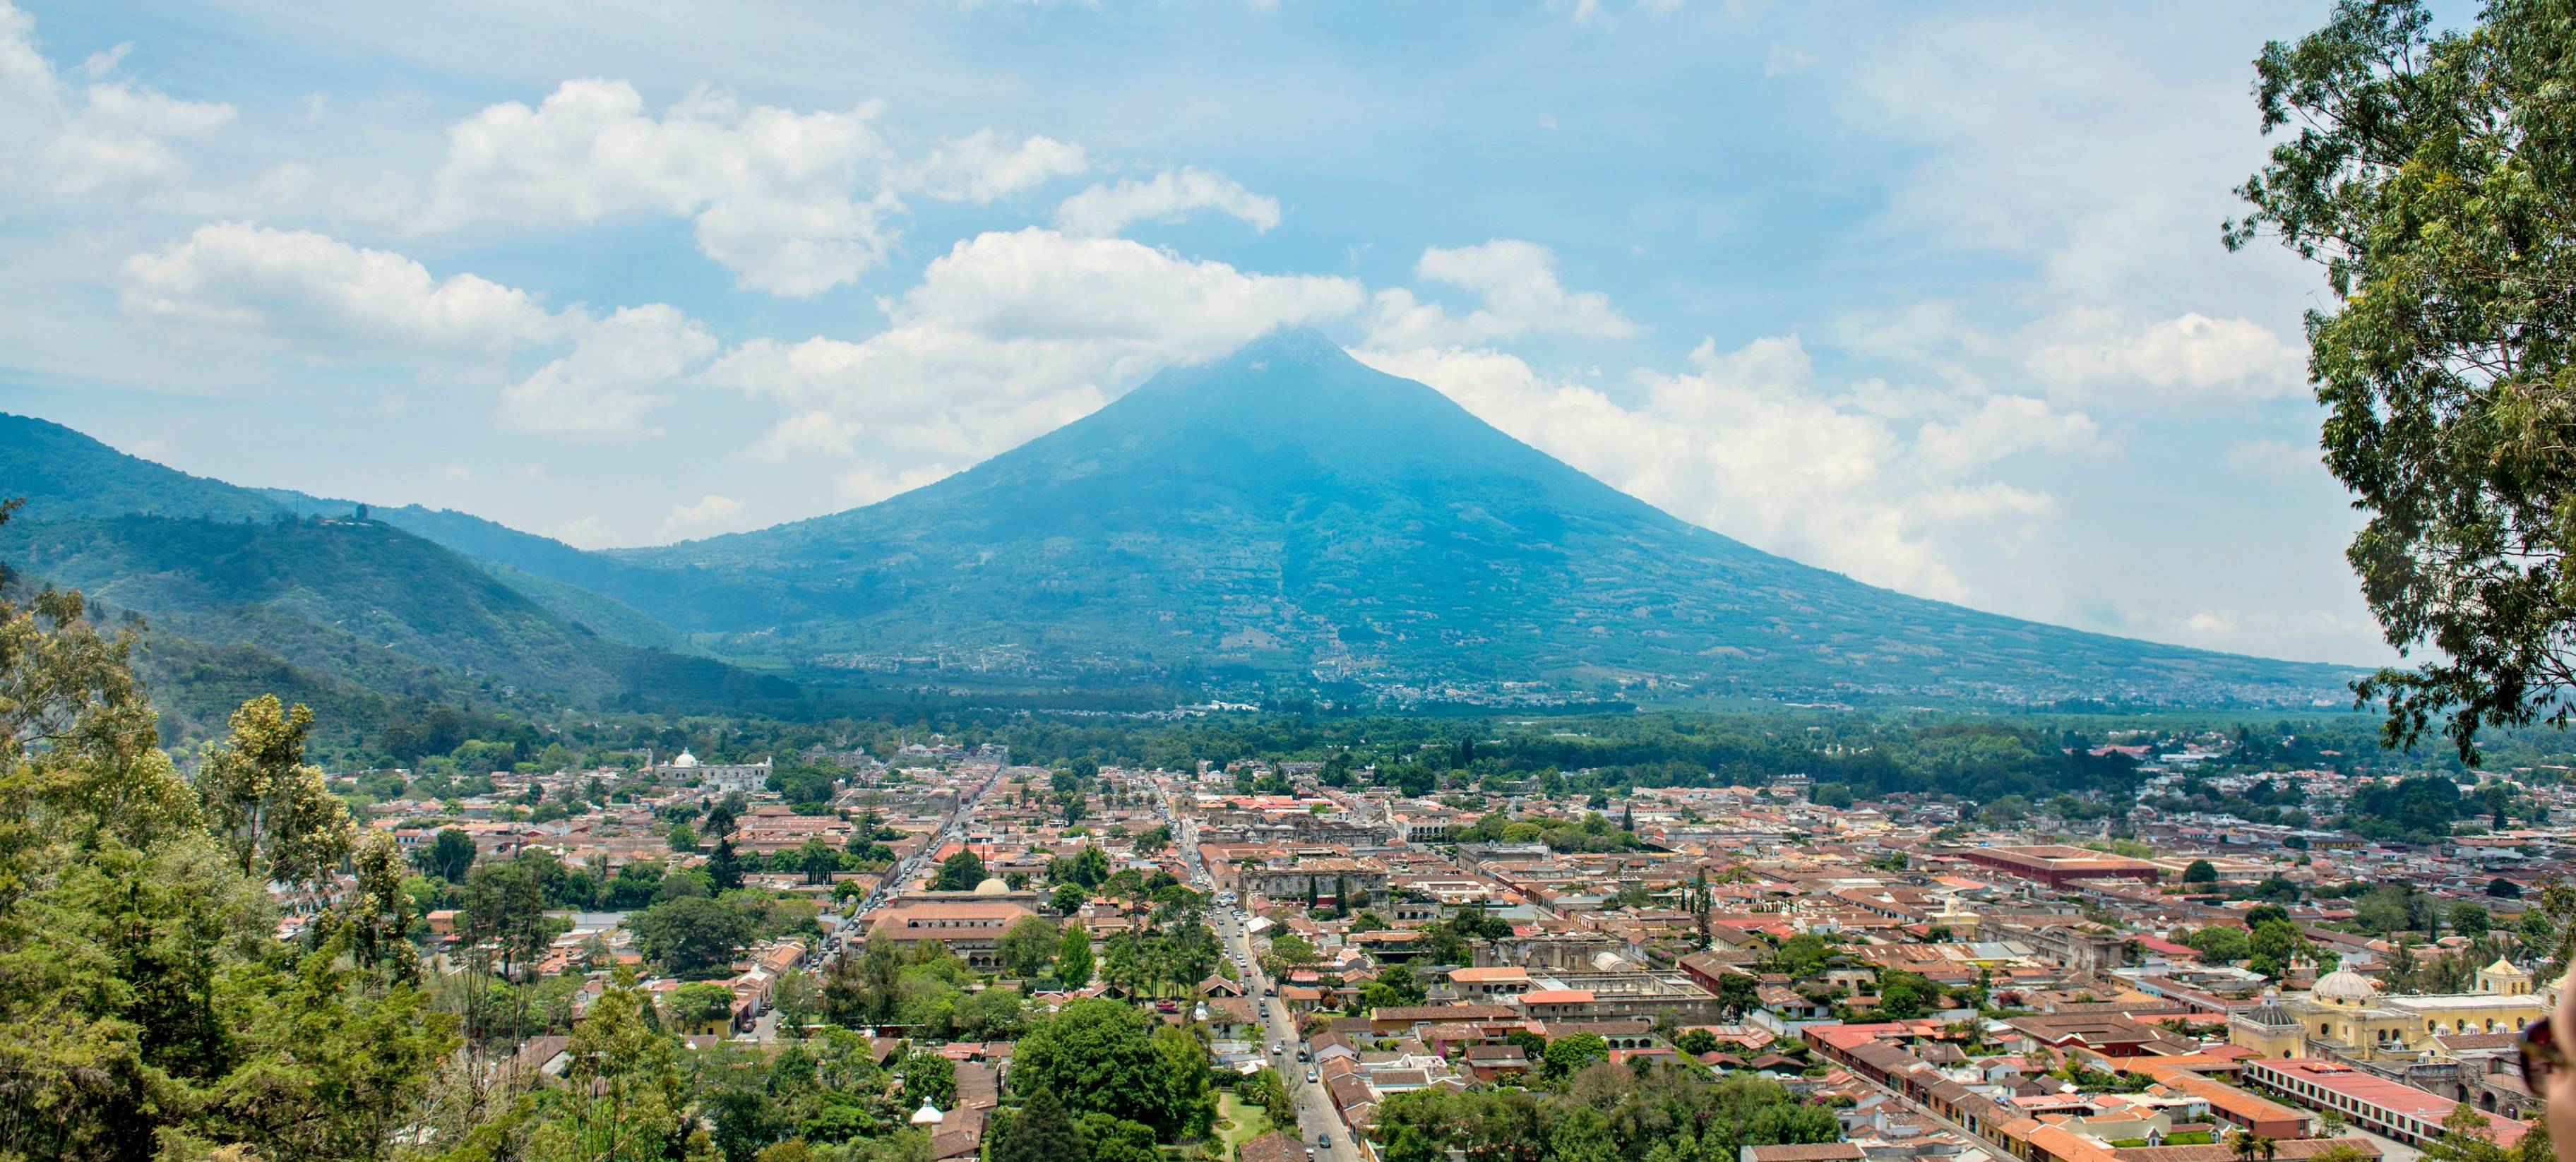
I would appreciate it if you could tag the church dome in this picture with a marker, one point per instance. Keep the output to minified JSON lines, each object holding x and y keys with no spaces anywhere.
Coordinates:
{"x":928,"y":1115}
{"x":2271,"y":1013}
{"x":993,"y":886}
{"x":2344,"y":985}
{"x":685,"y":761}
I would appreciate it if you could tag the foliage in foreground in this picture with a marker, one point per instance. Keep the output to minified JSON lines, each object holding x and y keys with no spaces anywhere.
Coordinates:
{"x":2434,"y":179}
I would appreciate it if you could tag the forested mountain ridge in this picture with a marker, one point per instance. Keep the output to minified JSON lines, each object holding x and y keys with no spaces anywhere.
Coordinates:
{"x":1285,"y":515}
{"x":327,"y":604}
{"x":1289,"y":509}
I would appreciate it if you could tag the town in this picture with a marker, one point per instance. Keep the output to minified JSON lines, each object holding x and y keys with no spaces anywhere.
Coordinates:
{"x":1358,"y":972}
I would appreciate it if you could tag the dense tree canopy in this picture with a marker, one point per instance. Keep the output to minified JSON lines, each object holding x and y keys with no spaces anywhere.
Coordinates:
{"x":2433,"y":177}
{"x":1101,"y":1056}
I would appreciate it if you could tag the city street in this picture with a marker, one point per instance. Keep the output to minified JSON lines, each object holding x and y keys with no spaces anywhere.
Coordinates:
{"x":1315,"y":1114}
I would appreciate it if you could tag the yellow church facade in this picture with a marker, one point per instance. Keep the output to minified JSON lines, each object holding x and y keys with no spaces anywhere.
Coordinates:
{"x":2345,"y":1016}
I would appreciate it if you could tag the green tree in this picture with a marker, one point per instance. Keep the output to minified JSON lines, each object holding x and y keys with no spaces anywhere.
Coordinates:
{"x":2467,"y":1136}
{"x":624,"y":1099}
{"x":1568,"y":1055}
{"x":2220,"y":944}
{"x":693,"y":937}
{"x":2428,"y":177}
{"x":797,"y":1000}
{"x":1039,"y":1131}
{"x":961,"y":872}
{"x":1073,"y":957}
{"x":929,"y":1077}
{"x":1102,"y":1053}
{"x":682,"y":838}
{"x":505,"y":905}
{"x":274,"y":808}
{"x":1738,"y":994}
{"x":1263,"y":1089}
{"x":1025,"y":947}
{"x":2469,"y":918}
{"x":699,"y":1007}
{"x":451,"y":853}
{"x":2200,"y":871}
{"x":817,"y":860}
{"x":148,"y":1010}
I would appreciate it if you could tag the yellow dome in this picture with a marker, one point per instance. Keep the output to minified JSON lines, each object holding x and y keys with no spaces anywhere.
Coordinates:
{"x":2344,"y":985}
{"x":993,"y":886}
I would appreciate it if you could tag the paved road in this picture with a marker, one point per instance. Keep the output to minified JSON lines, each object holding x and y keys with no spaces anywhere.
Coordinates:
{"x":903,"y":871}
{"x":1316,"y":1117}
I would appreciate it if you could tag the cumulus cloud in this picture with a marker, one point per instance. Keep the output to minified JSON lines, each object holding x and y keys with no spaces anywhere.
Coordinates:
{"x":709,"y":514}
{"x":104,"y":135}
{"x":2005,"y":425}
{"x":987,"y":166}
{"x":773,"y":193}
{"x":1010,"y":335}
{"x":1744,"y":442}
{"x":1168,"y":196}
{"x":1516,"y":287}
{"x":2094,"y":352}
{"x":329,"y":299}
{"x":612,"y":379}
{"x":871,"y":483}
{"x":319,"y":298}
{"x":807,"y":434}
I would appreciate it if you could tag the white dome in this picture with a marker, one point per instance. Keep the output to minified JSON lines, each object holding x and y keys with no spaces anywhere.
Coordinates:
{"x":928,"y":1114}
{"x":993,"y":886}
{"x":685,"y":760}
{"x":2343,"y":984}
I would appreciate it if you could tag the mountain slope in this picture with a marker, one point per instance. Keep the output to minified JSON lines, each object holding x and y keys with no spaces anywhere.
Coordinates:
{"x":64,"y":475}
{"x":1289,"y":508}
{"x":358,"y":601}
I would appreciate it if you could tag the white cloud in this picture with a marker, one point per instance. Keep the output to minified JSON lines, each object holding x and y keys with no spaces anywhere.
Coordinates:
{"x":869,"y":484}
{"x":108,"y":135}
{"x":323,"y":299}
{"x":2079,"y":144}
{"x":2005,"y":425}
{"x":99,"y":64}
{"x":2192,"y":356}
{"x":608,"y":384}
{"x":1783,"y":60}
{"x":587,"y":532}
{"x":1744,"y":443}
{"x":710,"y":514}
{"x":2270,"y":457}
{"x":986,"y":166}
{"x":1010,"y":335}
{"x":329,"y":299}
{"x":1166,"y":197}
{"x":773,"y":193}
{"x":814,"y":433}
{"x":2265,"y":632}
{"x":1516,"y":286}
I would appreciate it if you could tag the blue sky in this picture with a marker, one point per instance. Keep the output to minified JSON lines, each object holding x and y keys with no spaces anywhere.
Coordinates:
{"x":1932,"y":297}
